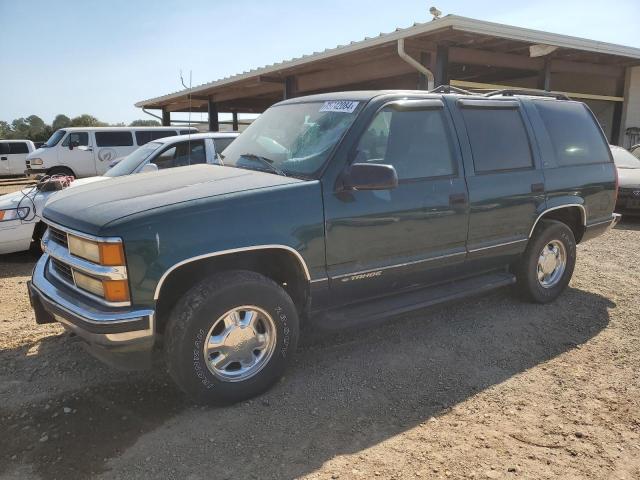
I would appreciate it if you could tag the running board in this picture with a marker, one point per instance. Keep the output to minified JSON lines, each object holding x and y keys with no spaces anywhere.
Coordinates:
{"x":376,"y":310}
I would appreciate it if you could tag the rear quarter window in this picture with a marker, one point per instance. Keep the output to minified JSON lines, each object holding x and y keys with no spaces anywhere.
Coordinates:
{"x":114,"y":139}
{"x":575,"y":137}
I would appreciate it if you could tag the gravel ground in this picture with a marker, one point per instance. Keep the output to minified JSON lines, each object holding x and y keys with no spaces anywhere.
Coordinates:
{"x":489,"y":387}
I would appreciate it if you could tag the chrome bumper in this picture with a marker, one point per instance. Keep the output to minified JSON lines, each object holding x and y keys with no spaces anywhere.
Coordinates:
{"x":122,"y":337}
{"x":616,"y":219}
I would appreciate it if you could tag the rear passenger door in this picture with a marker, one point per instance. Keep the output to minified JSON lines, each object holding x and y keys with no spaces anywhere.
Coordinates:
{"x":504,"y":177}
{"x":382,"y":241}
{"x":16,"y":157}
{"x":181,"y":154}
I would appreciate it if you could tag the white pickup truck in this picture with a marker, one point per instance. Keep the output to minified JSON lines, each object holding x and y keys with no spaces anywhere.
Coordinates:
{"x":13,"y":156}
{"x":20,"y":225}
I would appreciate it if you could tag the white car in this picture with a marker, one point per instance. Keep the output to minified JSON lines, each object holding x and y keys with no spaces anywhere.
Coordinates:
{"x":20,"y":225}
{"x":13,"y":156}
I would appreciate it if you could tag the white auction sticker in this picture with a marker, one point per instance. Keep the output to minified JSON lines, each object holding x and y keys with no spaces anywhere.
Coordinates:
{"x":343,"y":106}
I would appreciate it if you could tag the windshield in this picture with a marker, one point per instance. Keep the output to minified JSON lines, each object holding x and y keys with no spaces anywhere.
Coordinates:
{"x":132,"y":161}
{"x":624,"y":159}
{"x":54,"y":139}
{"x":292,"y":139}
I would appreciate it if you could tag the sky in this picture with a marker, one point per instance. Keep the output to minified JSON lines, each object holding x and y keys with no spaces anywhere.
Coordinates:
{"x":100,"y":57}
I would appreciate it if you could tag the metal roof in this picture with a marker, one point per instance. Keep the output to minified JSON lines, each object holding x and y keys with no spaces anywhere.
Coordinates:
{"x":453,"y":22}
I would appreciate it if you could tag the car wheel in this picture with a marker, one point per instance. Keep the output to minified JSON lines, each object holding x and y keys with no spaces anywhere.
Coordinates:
{"x":61,"y":171}
{"x":36,"y":248}
{"x":547,"y":265}
{"x":230,"y":337}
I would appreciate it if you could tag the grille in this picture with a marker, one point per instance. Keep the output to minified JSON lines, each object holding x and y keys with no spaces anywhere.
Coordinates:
{"x":58,"y":236}
{"x":63,"y":270}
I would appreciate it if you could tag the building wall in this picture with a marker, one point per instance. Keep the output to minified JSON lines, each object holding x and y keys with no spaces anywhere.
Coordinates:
{"x":631,"y":109}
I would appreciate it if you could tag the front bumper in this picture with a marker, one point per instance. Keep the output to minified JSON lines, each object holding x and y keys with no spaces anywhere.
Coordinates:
{"x":120,"y":337}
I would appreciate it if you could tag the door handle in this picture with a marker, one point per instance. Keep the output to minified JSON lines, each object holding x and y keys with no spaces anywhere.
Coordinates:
{"x":537,"y":188}
{"x":457,"y":198}
{"x":3,"y":158}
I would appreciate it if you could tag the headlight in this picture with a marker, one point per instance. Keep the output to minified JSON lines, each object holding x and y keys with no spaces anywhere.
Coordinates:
{"x":103,"y":253}
{"x":36,"y":161}
{"x":14,"y":214}
{"x":110,"y":290}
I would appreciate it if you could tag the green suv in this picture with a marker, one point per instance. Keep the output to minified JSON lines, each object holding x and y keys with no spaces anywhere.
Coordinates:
{"x":337,"y":209}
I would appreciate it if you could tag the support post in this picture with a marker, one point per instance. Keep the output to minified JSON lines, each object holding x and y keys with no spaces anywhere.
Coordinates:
{"x":235,"y":121}
{"x":166,"y":118}
{"x":289,"y":90}
{"x":214,"y":125}
{"x":442,"y":65}
{"x":544,"y":77}
{"x":425,"y":59}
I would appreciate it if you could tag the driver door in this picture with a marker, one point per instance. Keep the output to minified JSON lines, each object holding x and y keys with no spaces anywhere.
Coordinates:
{"x":77,"y":154}
{"x":379,"y":242}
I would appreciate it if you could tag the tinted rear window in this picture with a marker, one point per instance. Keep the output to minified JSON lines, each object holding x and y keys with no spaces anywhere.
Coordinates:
{"x":114,"y":139}
{"x":18,"y":147}
{"x":498,"y":139}
{"x":146,"y":136}
{"x":574,"y":134}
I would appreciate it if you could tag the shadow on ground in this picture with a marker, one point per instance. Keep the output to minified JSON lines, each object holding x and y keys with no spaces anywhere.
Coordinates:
{"x":17,"y":264}
{"x":629,"y":222}
{"x":345,"y":393}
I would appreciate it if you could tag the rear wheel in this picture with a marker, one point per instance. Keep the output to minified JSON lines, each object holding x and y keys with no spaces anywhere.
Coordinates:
{"x":231,"y":337}
{"x":546,"y":267}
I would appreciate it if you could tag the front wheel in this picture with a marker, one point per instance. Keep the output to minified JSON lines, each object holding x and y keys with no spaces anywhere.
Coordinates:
{"x":546,"y":267}
{"x":231,"y":337}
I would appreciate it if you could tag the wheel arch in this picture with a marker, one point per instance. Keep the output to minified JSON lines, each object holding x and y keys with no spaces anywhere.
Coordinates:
{"x":282,"y":264}
{"x":574,"y":215}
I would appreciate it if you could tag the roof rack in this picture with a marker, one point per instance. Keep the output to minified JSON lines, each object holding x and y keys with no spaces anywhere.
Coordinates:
{"x":451,"y":89}
{"x":532,"y":93}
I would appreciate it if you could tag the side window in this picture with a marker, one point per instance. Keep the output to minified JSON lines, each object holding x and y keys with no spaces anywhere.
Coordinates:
{"x":574,"y":134}
{"x":222,"y":143}
{"x":416,"y":143}
{"x":114,"y":139}
{"x":180,"y":155}
{"x":498,"y":138}
{"x":81,"y":138}
{"x":146,"y":136}
{"x":18,"y":147}
{"x":4,"y":148}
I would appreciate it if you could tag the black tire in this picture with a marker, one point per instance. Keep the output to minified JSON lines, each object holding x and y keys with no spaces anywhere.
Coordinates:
{"x":527,"y":269}
{"x":35,"y":248}
{"x":61,"y":171}
{"x":194,"y":316}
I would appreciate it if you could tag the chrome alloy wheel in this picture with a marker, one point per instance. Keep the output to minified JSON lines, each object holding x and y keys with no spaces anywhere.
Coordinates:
{"x":240,"y":343}
{"x":552,"y":263}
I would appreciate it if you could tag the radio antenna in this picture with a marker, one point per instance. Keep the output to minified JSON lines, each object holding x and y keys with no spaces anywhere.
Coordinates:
{"x":189,"y":116}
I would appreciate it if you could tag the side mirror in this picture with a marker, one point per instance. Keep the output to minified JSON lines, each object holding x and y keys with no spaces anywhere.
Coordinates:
{"x":370,"y":176}
{"x":73,"y":144}
{"x":149,"y":167}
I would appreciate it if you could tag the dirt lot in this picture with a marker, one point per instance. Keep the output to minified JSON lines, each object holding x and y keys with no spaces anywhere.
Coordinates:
{"x":485,"y":388}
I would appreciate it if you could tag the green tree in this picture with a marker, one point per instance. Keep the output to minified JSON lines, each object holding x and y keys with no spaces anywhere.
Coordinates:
{"x":61,"y":121}
{"x":5,"y":130}
{"x":86,"y":120}
{"x":145,"y":123}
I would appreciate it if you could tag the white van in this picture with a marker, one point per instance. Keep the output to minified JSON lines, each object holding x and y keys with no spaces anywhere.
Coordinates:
{"x":89,"y":151}
{"x":13,"y":156}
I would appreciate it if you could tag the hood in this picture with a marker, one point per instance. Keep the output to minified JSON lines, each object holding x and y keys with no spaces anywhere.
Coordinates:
{"x":629,"y":177}
{"x":87,"y":208}
{"x":85,"y":181}
{"x":37,"y":153}
{"x":29,"y":197}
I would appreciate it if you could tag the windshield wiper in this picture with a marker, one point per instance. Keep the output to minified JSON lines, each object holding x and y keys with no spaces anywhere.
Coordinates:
{"x":264,"y":161}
